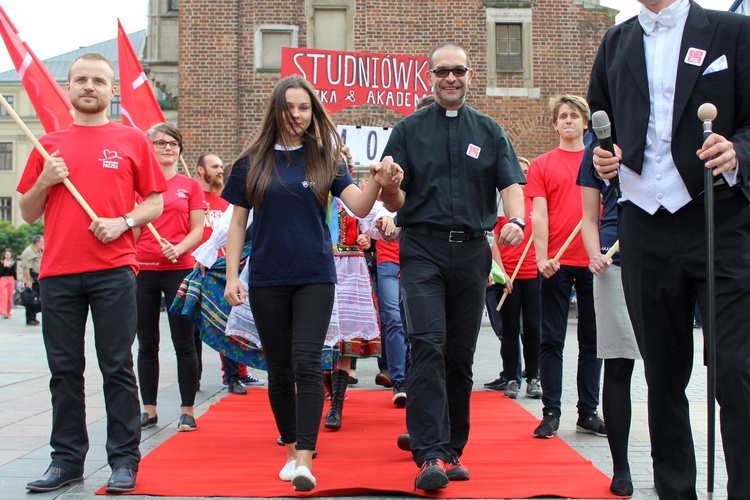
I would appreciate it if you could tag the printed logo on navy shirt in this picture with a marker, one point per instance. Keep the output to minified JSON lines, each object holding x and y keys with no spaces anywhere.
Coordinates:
{"x":306,"y":184}
{"x":110,"y":159}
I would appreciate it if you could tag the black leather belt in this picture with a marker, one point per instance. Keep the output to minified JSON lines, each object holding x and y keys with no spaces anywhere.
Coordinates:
{"x":450,"y":236}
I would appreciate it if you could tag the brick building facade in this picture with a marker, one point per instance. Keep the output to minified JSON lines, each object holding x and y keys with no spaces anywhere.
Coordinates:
{"x":523,"y":53}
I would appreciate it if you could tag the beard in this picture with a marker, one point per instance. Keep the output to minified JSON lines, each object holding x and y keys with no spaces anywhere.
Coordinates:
{"x":215,"y":181}
{"x":95,"y":107}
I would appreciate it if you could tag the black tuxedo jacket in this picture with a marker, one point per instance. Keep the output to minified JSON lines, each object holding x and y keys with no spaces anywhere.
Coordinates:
{"x":619,"y":86}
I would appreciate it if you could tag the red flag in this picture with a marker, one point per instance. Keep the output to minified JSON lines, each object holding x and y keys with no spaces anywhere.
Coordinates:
{"x":137,"y":100}
{"x":52,"y":105}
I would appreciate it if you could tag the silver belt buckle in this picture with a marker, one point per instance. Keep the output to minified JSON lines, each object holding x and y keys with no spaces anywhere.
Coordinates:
{"x":459,"y":233}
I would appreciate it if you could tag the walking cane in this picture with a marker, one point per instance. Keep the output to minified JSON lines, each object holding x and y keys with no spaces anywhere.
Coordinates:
{"x":77,"y":195}
{"x":515,"y":272}
{"x":707,"y":113}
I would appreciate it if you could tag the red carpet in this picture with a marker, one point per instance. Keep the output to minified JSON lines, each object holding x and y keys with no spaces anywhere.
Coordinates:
{"x":234,"y":453}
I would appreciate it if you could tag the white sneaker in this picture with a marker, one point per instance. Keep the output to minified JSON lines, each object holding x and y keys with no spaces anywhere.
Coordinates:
{"x":287,"y":472}
{"x":303,"y":480}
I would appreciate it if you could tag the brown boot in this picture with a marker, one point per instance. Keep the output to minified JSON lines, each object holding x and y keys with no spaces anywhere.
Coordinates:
{"x":339,"y":379}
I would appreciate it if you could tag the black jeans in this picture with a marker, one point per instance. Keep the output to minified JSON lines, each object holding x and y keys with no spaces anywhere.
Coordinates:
{"x":151,"y":284}
{"x":443,"y":287}
{"x":555,"y":309}
{"x":67,"y":299}
{"x":292,"y":323}
{"x":524,"y":304}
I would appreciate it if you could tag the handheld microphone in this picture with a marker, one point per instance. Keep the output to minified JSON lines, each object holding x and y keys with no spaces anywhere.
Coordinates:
{"x":603,"y":130}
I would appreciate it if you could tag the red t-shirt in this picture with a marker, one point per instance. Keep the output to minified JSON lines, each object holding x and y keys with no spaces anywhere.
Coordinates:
{"x":387,"y":251}
{"x":511,"y":255}
{"x":553,"y":176}
{"x":108,"y":165}
{"x":183,"y":194}
{"x":216,"y":207}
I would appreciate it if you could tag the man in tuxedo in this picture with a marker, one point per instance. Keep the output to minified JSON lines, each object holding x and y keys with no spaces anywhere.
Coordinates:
{"x":651,"y":75}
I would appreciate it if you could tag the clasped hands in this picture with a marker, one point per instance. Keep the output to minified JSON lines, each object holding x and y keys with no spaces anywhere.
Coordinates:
{"x":387,"y":173}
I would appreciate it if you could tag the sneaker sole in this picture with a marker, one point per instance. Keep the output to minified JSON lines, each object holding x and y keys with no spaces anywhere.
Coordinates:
{"x":303,"y":483}
{"x":492,"y":389}
{"x":399,"y":400}
{"x":119,"y":490}
{"x":511,"y":395}
{"x":544,"y":436}
{"x":186,"y":428}
{"x":71,"y":482}
{"x":432,"y":480}
{"x":533,"y":396}
{"x":584,"y":430}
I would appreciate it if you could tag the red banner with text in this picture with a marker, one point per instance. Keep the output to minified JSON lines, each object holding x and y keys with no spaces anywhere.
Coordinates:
{"x":344,"y":79}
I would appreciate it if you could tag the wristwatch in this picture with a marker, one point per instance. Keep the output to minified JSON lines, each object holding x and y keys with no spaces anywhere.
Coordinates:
{"x":518,"y":222}
{"x":128,"y":221}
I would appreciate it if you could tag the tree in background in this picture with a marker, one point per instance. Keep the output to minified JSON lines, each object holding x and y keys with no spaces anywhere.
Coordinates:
{"x":18,"y":238}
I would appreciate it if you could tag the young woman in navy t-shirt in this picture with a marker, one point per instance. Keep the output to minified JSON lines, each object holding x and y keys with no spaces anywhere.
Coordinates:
{"x":285,"y":175}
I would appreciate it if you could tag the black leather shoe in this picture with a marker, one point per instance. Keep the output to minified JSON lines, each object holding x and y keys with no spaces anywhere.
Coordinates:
{"x":622,"y":487}
{"x":148,"y":422}
{"x":55,"y":478}
{"x":121,"y":480}
{"x":236,"y":387}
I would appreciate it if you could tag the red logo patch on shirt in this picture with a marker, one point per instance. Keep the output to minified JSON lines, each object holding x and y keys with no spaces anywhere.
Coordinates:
{"x":695,"y":56}
{"x":473,"y":151}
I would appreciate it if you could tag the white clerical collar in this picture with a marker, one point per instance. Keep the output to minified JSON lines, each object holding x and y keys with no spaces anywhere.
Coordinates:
{"x":451,"y":113}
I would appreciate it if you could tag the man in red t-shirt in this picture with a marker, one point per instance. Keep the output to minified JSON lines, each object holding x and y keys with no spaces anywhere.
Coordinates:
{"x":557,"y":211}
{"x":210,"y":171}
{"x":91,"y":265}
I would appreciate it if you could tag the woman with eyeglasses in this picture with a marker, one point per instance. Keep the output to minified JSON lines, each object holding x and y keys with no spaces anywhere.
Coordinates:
{"x":164,"y":264}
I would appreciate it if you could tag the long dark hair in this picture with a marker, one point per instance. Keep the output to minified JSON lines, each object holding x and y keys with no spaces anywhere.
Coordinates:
{"x":321,"y":143}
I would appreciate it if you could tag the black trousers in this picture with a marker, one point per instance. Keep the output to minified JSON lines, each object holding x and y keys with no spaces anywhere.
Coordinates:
{"x":525,"y":299}
{"x":67,"y":299}
{"x":151,"y":284}
{"x":292,"y":323}
{"x":443,"y":289}
{"x":663,"y":269}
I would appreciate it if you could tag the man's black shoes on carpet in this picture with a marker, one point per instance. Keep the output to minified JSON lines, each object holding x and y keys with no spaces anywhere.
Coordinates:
{"x":55,"y":478}
{"x":431,"y":476}
{"x":456,"y":471}
{"x":122,"y":480}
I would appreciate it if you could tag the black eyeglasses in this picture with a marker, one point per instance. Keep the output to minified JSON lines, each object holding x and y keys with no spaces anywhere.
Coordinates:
{"x":459,"y":71}
{"x":164,"y":144}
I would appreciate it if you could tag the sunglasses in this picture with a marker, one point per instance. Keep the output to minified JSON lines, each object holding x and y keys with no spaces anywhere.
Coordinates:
{"x":458,"y":71}
{"x":164,"y":144}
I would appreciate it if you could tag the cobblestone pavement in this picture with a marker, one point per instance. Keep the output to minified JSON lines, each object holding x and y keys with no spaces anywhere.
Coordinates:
{"x":25,"y":412}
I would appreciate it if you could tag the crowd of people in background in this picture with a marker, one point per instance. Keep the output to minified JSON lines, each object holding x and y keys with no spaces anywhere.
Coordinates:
{"x":448,"y":200}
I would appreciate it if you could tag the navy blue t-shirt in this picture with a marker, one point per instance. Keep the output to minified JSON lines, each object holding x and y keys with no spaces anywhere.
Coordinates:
{"x":587,"y":176}
{"x":291,"y":240}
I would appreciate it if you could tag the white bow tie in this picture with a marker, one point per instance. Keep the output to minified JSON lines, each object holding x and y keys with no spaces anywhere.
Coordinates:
{"x":650,"y":21}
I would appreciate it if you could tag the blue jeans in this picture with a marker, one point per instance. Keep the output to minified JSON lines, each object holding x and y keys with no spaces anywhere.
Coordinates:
{"x":555,"y":309}
{"x":391,"y":322}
